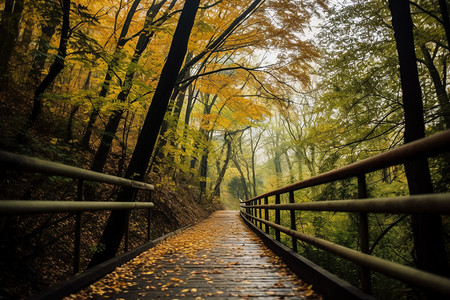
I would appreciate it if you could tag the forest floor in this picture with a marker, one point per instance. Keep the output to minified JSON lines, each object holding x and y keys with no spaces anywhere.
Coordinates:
{"x":220,"y":257}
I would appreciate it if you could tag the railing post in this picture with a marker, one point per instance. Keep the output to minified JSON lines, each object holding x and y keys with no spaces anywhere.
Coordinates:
{"x":247,"y":210}
{"x":77,"y":237}
{"x":253,"y":211}
{"x":266,"y":213}
{"x":127,"y":231}
{"x":259,"y":213}
{"x":277,"y":217}
{"x":149,"y":216}
{"x":293,"y":220}
{"x":364,"y":234}
{"x":127,"y":224}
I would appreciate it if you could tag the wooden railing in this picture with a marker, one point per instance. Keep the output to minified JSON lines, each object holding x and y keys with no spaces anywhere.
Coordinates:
{"x":257,"y":209}
{"x":21,"y":163}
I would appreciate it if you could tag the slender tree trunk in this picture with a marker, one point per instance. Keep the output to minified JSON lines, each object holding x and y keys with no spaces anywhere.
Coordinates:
{"x":69,"y":131}
{"x":100,"y":156}
{"x":40,"y":56}
{"x":9,"y":31}
{"x":243,"y":182}
{"x":224,"y":167}
{"x":298,"y":154}
{"x":174,"y":110}
{"x":116,"y":224}
{"x":291,"y":171}
{"x":427,"y":229}
{"x":55,"y":68}
{"x":203,"y":172}
{"x":114,"y":120}
{"x":441,"y":93}
{"x":109,"y":73}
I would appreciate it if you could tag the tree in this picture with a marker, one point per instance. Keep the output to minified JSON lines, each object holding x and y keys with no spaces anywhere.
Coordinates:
{"x":55,"y":68}
{"x":114,"y":120}
{"x":112,"y":65}
{"x":115,"y":227}
{"x":427,"y":229}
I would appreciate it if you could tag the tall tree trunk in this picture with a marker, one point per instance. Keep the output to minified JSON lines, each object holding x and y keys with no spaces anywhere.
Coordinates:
{"x":203,"y":172}
{"x":109,"y":73}
{"x":441,"y":93}
{"x":427,"y":229}
{"x":243,"y":182}
{"x":298,"y":155}
{"x":114,"y":120}
{"x":69,"y":131}
{"x":116,"y":224}
{"x":174,"y":110}
{"x":40,"y":56}
{"x":9,"y":31}
{"x":224,"y":166}
{"x":55,"y":68}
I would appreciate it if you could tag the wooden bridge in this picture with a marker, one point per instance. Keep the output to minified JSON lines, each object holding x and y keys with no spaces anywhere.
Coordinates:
{"x":223,"y":258}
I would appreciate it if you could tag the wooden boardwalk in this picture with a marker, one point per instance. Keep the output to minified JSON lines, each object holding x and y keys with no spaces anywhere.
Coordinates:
{"x":220,"y":258}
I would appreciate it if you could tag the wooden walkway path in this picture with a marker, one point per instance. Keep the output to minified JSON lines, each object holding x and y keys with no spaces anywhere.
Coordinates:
{"x":220,"y":258}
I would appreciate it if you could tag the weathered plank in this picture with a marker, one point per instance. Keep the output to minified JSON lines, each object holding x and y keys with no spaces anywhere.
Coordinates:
{"x":218,"y":258}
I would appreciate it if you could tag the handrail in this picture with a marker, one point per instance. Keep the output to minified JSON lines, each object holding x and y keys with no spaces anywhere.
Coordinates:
{"x":439,"y":204}
{"x":427,"y":203}
{"x":30,"y":164}
{"x":42,"y":206}
{"x":428,"y":146}
{"x":17,"y":162}
{"x":408,"y":274}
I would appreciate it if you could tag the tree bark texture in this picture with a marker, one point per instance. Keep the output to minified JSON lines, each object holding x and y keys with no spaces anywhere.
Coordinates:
{"x":56,"y":67}
{"x":116,"y":224}
{"x":427,"y":229}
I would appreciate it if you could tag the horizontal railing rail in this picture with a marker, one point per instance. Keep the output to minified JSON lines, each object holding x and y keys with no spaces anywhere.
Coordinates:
{"x":42,"y":207}
{"x":24,"y":163}
{"x":257,"y":211}
{"x":436,"y":144}
{"x":428,"y":203}
{"x":16,"y":162}
{"x":408,"y":274}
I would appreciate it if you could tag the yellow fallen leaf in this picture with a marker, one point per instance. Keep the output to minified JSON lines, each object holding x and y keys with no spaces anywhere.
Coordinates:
{"x":193,"y":290}
{"x":309,"y":292}
{"x":185,"y":291}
